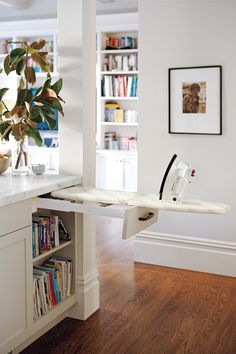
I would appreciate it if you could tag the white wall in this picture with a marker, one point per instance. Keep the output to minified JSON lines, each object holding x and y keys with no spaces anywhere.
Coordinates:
{"x":39,"y":9}
{"x":175,"y":34}
{"x":77,"y":67}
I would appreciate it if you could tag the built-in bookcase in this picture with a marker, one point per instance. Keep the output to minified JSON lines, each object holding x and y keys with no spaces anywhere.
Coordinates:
{"x":64,"y":250}
{"x":117,"y":105}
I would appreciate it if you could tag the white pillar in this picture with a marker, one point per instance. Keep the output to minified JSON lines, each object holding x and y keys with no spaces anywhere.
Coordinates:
{"x":77,"y":67}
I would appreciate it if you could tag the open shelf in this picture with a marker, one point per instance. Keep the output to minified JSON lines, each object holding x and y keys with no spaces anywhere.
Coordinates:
{"x":122,"y":124}
{"x":119,"y":98}
{"x":119,"y":51}
{"x":121,"y":72}
{"x":46,"y":254}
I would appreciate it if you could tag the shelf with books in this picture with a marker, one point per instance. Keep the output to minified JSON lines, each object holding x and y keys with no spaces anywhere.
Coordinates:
{"x":42,"y":256}
{"x":117,"y":97}
{"x":54,"y":270}
{"x":52,"y":284}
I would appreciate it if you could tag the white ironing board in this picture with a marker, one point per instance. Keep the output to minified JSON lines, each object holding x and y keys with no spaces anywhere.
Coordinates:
{"x":138,"y":211}
{"x":96,"y":195}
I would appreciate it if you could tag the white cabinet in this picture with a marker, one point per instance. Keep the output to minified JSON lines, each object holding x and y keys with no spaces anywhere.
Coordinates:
{"x":130,"y":173}
{"x":15,"y":276}
{"x":116,"y":171}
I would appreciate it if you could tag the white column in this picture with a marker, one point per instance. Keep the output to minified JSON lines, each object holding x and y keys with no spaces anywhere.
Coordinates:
{"x":77,"y":66}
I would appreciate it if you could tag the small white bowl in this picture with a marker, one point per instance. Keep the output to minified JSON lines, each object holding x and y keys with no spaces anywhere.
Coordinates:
{"x":38,"y":169}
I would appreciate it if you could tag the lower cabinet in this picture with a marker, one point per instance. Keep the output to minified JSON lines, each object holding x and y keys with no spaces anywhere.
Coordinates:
{"x":16,"y":288}
{"x":116,"y":171}
{"x":18,"y":325}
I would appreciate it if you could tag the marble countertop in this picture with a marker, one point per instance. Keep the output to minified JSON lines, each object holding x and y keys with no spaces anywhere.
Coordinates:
{"x":14,"y":189}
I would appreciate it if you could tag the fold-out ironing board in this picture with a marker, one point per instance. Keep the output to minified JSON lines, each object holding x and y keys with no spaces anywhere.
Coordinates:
{"x":139,"y":211}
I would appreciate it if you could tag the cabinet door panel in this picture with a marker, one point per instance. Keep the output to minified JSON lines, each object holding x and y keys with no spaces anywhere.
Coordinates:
{"x":16,"y":287}
{"x":130,"y":174}
{"x":110,"y":170}
{"x":15,"y":216}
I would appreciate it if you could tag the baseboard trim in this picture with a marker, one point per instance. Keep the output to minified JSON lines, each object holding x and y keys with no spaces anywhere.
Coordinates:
{"x":205,"y":255}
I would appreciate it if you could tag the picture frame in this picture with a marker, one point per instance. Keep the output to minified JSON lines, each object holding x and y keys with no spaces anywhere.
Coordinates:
{"x":195,"y":100}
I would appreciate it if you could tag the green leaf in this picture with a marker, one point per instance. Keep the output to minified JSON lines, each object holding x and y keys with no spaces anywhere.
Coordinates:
{"x":34,"y":134}
{"x":4,"y":127}
{"x":47,"y":82}
{"x":2,"y":92}
{"x":20,"y":66}
{"x":50,"y":121}
{"x":6,"y":65}
{"x":35,"y":115}
{"x":57,"y":86}
{"x":24,"y":95}
{"x":17,"y":52}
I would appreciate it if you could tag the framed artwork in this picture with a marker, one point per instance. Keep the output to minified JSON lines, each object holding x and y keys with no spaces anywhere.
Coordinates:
{"x":195,"y":100}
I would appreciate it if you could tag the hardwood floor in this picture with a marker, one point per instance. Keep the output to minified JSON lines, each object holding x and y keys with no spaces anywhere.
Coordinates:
{"x":148,"y":309}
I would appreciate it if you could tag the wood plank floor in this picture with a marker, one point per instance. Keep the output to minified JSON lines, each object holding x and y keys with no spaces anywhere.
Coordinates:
{"x":148,"y":309}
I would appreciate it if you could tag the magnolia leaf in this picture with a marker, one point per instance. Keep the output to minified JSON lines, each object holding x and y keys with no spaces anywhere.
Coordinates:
{"x":57,"y":86}
{"x":18,"y":110}
{"x":41,"y":60}
{"x":4,"y":130}
{"x":27,"y":106}
{"x":47,"y":82}
{"x":30,"y":74}
{"x":48,"y":93}
{"x":31,"y":123}
{"x":56,"y":104}
{"x":20,"y":66}
{"x":39,"y":90}
{"x":6,"y":65}
{"x":2,"y":92}
{"x":21,"y":84}
{"x":32,"y":50}
{"x":1,"y":109}
{"x":24,"y":95}
{"x":61,"y":99}
{"x":38,"y":45}
{"x":34,"y":134}
{"x":17,"y":52}
{"x":50,"y":121}
{"x":16,"y":131}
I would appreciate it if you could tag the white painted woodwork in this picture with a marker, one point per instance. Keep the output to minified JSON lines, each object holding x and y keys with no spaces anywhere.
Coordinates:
{"x":116,"y":171}
{"x":184,"y":252}
{"x":77,"y":63}
{"x":14,"y":217}
{"x":16,"y":287}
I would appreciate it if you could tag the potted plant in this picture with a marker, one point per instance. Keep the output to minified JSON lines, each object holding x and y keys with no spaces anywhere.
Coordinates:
{"x":32,"y":107}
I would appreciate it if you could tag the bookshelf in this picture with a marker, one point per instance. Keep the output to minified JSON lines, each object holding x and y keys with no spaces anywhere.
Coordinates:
{"x":117,"y":85}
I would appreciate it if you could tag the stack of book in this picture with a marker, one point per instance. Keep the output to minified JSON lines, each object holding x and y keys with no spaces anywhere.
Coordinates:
{"x":123,"y":42}
{"x":121,"y":62}
{"x":51,"y":284}
{"x":119,"y":86}
{"x":47,"y":230}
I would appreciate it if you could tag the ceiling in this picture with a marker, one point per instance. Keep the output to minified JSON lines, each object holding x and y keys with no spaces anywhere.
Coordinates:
{"x":11,"y":10}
